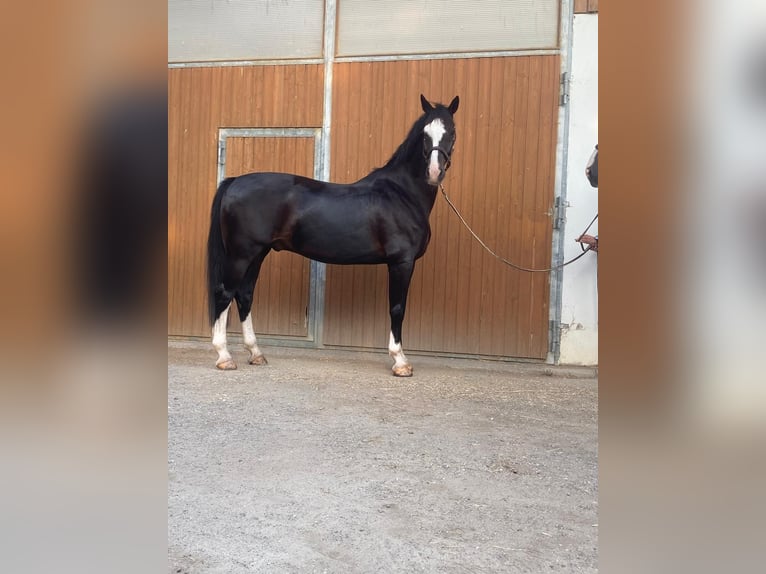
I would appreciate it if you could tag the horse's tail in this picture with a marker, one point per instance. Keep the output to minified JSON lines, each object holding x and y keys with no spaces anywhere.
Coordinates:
{"x":216,"y":252}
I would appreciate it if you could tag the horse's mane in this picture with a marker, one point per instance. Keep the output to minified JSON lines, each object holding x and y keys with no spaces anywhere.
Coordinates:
{"x":414,"y":138}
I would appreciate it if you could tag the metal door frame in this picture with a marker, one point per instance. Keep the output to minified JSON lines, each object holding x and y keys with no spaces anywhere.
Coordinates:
{"x":317,"y":272}
{"x":560,"y":185}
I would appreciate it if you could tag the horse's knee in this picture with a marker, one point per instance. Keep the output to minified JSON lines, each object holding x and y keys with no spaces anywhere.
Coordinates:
{"x":397,"y":313}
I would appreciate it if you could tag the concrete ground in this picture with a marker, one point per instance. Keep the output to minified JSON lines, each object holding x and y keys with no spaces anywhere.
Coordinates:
{"x":323,"y":462}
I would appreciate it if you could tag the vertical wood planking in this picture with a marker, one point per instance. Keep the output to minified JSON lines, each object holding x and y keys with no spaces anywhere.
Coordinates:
{"x":201,"y":100}
{"x":281,"y":295}
{"x":489,"y":315}
{"x":528,"y":280}
{"x":546,"y":180}
{"x":470,"y":208}
{"x":175,"y":140}
{"x":516,"y":215}
{"x":462,"y":300}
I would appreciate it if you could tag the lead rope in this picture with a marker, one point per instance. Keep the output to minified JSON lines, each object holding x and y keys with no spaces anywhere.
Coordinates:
{"x":519,"y":267}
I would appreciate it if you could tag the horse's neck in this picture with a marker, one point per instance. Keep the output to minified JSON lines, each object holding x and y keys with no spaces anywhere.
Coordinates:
{"x":424,"y":194}
{"x":410,"y":173}
{"x":417,"y":171}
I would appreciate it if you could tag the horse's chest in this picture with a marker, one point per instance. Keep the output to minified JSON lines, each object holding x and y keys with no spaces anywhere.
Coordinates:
{"x":407,"y":238}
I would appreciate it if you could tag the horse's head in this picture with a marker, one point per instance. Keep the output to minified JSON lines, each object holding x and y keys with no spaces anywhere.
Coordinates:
{"x":438,"y":138}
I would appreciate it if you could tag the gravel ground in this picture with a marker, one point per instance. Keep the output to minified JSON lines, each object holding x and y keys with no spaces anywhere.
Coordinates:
{"x":323,"y":462}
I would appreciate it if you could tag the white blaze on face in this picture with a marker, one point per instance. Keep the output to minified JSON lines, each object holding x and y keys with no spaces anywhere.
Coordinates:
{"x":436,"y":131}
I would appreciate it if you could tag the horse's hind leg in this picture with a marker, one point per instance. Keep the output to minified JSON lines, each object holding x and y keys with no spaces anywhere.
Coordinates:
{"x":225,"y":361}
{"x":234,"y":273}
{"x":399,"y":276}
{"x":244,"y":297}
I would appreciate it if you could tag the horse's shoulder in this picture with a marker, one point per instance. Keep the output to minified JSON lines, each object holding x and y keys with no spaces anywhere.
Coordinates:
{"x":387,"y":186}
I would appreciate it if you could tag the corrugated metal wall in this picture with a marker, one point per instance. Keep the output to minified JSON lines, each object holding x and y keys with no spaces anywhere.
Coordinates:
{"x":461,"y":300}
{"x":200,"y":101}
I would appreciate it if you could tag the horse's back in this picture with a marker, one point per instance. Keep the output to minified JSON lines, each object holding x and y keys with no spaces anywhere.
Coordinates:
{"x":259,"y":183}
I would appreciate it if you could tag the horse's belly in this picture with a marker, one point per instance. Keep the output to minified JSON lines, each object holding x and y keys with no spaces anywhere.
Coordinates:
{"x":341,"y":254}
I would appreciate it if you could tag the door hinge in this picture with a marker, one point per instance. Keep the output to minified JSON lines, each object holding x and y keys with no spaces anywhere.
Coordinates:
{"x":559,"y":212}
{"x":564,"y":89}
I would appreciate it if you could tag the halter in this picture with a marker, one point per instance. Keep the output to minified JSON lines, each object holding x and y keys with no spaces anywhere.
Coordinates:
{"x":443,"y":152}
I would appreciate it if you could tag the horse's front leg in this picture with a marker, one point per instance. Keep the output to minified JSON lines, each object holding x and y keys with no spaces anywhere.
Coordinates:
{"x":251,"y":343}
{"x":399,"y":276}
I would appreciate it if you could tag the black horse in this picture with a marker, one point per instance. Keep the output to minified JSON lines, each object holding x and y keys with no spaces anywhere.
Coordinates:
{"x":382,"y":218}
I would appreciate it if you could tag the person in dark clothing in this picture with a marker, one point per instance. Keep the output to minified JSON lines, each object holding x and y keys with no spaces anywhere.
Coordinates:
{"x":591,"y":172}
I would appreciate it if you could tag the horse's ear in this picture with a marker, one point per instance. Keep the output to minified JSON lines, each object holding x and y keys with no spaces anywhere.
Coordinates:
{"x":424,"y":102}
{"x":454,"y":104}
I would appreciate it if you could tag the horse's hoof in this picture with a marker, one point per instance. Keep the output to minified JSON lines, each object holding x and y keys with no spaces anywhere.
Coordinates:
{"x":402,"y":370}
{"x":227,"y":365}
{"x":259,"y":360}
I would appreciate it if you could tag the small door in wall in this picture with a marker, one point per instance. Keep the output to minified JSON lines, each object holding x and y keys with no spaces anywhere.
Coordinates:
{"x":282,"y":294}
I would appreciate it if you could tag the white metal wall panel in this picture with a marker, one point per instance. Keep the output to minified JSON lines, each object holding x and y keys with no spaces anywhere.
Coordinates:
{"x":382,"y":27}
{"x":205,"y":30}
{"x":579,"y":313}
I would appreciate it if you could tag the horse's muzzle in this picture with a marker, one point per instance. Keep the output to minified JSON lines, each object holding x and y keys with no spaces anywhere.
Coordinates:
{"x":435,"y":171}
{"x":435,"y":174}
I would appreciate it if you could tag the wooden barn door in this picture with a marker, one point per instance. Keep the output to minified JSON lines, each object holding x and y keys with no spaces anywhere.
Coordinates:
{"x":462,"y":301}
{"x":203,"y":101}
{"x":281,"y":302}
